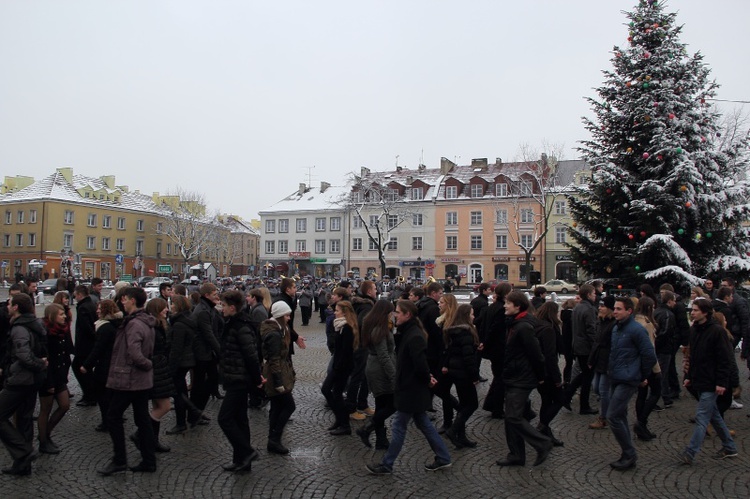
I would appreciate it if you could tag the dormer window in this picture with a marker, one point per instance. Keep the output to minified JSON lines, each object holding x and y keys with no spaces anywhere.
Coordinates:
{"x":451,"y":192}
{"x":477,"y":190}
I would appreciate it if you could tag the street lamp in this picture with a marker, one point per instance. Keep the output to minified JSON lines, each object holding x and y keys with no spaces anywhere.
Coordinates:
{"x":419,"y":267}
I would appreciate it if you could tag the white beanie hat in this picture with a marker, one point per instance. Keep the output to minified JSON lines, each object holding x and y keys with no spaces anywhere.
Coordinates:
{"x":280,"y":309}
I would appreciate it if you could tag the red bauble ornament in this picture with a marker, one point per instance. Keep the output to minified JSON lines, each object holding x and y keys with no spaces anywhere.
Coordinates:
{"x":628,"y":84}
{"x":584,"y":262}
{"x":631,"y":236}
{"x":703,"y":139}
{"x":688,"y":204}
{"x":643,"y":233}
{"x":645,"y":155}
{"x":609,"y":191}
{"x":659,"y":157}
{"x":646,"y":55}
{"x":671,"y":116}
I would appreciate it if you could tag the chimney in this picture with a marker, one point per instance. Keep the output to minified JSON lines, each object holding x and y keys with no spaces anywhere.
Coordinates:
{"x":498,"y":161}
{"x":421,"y":167}
{"x":446,"y":166}
{"x":479,"y":163}
{"x":109,"y":181}
{"x":399,"y":169}
{"x":324,"y":186}
{"x":302,"y":188}
{"x":364,"y":171}
{"x":67,"y":173}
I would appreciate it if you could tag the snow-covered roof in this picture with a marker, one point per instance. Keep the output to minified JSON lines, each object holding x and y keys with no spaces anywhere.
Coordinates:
{"x":310,"y":199}
{"x":237,"y":226}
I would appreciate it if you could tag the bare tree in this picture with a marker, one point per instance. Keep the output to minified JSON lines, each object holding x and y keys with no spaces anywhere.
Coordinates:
{"x":380,"y":206}
{"x":187,"y":224}
{"x":531,"y":195}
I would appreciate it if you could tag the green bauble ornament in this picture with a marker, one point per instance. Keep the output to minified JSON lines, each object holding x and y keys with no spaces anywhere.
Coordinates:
{"x":680,"y":231}
{"x":637,"y":268}
{"x":678,"y":150}
{"x":708,"y":234}
{"x":609,"y":230}
{"x":645,"y":84}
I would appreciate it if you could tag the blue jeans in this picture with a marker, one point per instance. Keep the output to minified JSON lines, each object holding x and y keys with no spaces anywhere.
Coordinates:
{"x":398,"y":435}
{"x":707,"y":411}
{"x":617,"y":416}
{"x":603,"y":394}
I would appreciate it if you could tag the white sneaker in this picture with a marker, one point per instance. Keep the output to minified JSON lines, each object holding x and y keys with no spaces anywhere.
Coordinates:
{"x":736,"y":405}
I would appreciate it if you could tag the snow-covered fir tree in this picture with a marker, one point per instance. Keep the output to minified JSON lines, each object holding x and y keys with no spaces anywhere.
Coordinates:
{"x":667,"y":196}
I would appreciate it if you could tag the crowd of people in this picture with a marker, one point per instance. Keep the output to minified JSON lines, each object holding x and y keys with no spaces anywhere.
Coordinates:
{"x":411,"y":347}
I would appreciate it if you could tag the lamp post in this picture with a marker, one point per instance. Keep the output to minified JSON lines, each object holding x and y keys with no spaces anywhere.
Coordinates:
{"x":419,"y":267}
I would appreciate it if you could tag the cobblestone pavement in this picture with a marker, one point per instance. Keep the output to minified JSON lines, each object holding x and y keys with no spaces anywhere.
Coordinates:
{"x":321,"y":465}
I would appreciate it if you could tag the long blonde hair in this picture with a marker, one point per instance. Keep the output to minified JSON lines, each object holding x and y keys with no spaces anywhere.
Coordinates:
{"x":449,"y":311}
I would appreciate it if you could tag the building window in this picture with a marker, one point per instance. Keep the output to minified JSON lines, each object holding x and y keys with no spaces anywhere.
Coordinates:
{"x":159,"y":228}
{"x":91,"y":222}
{"x":335,"y":223}
{"x":120,"y":245}
{"x":477,"y":190}
{"x":392,"y":221}
{"x":476,"y":242}
{"x":301,"y":245}
{"x":284,"y":225}
{"x":560,"y":208}
{"x":356,"y":222}
{"x":501,"y":216}
{"x":335,"y":245}
{"x":416,"y":220}
{"x":20,"y":216}
{"x":270,"y":246}
{"x":301,"y":225}
{"x":107,"y":222}
{"x":357,"y":197}
{"x":417,"y":193}
{"x":139,"y":225}
{"x":501,"y":190}
{"x":120,"y":223}
{"x":169,"y":248}
{"x":526,"y":189}
{"x":68,"y":218}
{"x":476,"y":218}
{"x":90,"y":242}
{"x":32,"y":216}
{"x":32,"y":239}
{"x":392,"y":244}
{"x":451,"y":242}
{"x":105,"y":244}
{"x":320,"y":246}
{"x":527,"y":216}
{"x":373,"y":220}
{"x":283,"y":246}
{"x":451,"y":192}
{"x":451,"y":218}
{"x":560,"y":234}
{"x":19,"y":239}
{"x":372,"y":246}
{"x":357,"y":244}
{"x":139,"y":247}
{"x":391,"y":195}
{"x":270,"y":226}
{"x":416,"y":243}
{"x":526,"y":241}
{"x":158,"y":249}
{"x":6,"y":240}
{"x":8,"y":217}
{"x":320,"y":224}
{"x":501,"y":241}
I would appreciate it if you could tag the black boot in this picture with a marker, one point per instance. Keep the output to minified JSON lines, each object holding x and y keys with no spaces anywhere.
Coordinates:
{"x":159,"y":446}
{"x":274,"y":443}
{"x":135,"y":438}
{"x":364,"y":434}
{"x":454,"y":432}
{"x":547,"y":431}
{"x":465,"y":440}
{"x":381,"y":439}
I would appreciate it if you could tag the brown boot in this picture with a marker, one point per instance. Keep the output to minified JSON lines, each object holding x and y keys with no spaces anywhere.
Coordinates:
{"x":599,"y":424}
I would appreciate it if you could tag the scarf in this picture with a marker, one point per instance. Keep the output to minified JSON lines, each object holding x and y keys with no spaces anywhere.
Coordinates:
{"x":339,"y":323}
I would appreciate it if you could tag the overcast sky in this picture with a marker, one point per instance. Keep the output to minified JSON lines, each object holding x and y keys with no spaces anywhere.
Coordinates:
{"x":238,"y":99}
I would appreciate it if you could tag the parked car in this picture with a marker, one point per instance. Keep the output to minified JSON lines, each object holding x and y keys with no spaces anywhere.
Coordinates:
{"x":558,"y":286}
{"x":48,"y":286}
{"x":142,"y":281}
{"x":156,"y":282}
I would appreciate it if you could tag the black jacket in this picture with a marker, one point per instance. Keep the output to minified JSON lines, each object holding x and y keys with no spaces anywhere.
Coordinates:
{"x":460,"y":354}
{"x":599,"y":356}
{"x":667,"y":331}
{"x":492,"y":332}
{"x":412,"y":391}
{"x":182,"y":336}
{"x":710,"y":357}
{"x":238,"y":364}
{"x":163,"y":379}
{"x":524,"y":362}
{"x":584,"y":327}
{"x":101,"y":355}
{"x":85,"y":332}
{"x":479,"y":303}
{"x":343,"y":352}
{"x":27,"y":345}
{"x":547,"y":336}
{"x":428,"y":311}
{"x":207,"y":330}
{"x":682,"y":329}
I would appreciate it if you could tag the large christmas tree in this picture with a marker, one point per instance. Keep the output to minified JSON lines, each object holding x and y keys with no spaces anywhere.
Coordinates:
{"x":667,"y":194}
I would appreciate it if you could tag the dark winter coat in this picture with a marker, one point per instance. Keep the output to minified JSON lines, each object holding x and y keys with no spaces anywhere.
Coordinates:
{"x":710,"y":357}
{"x":277,"y":368}
{"x":85,"y":331}
{"x":131,"y":368}
{"x":343,"y":353}
{"x":330,"y":332}
{"x":666,"y":333}
{"x":478,"y":304}
{"x":547,"y":334}
{"x":492,"y":332}
{"x":632,"y":355}
{"x":27,"y":347}
{"x":59,"y":350}
{"x":362,"y":306}
{"x":412,"y":390}
{"x":163,"y":379}
{"x":239,"y":364}
{"x":524,"y":362}
{"x":599,"y":356}
{"x":584,"y":327}
{"x":181,"y":338}
{"x":292,"y":302}
{"x":208,"y":329}
{"x":100,"y":357}
{"x":682,"y":332}
{"x":741,"y":320}
{"x":428,"y":312}
{"x":381,"y":366}
{"x":460,"y":354}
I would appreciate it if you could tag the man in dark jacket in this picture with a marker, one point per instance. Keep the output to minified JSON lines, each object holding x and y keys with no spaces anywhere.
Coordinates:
{"x":523,"y":371}
{"x":492,"y":345}
{"x":240,"y":371}
{"x":584,"y":334}
{"x":357,"y":391}
{"x":412,"y":393}
{"x":429,"y":311}
{"x":85,"y":336}
{"x":666,"y":337}
{"x":206,"y":348}
{"x":26,"y":365}
{"x":15,"y":289}
{"x":708,"y":378}
{"x":480,"y":302}
{"x":682,"y":336}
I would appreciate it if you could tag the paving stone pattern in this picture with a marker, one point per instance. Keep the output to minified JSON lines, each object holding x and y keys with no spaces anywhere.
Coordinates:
{"x":321,"y":465}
